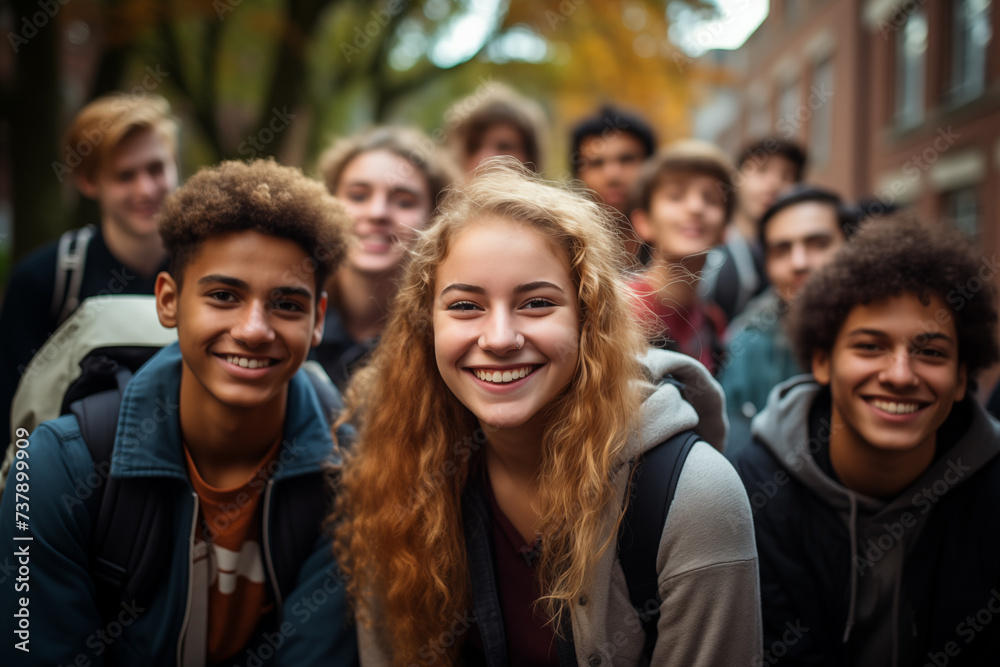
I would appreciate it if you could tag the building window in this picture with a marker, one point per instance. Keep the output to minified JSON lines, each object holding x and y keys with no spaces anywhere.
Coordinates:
{"x":821,"y":125}
{"x":789,"y":118}
{"x":962,"y":208}
{"x":970,"y":41}
{"x":911,"y":56}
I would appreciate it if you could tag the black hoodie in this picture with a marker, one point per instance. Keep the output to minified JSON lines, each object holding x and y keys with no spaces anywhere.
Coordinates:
{"x":851,"y":580}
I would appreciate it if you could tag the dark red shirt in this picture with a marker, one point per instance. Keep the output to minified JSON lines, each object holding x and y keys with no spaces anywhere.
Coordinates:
{"x":530,"y":641}
{"x":696,"y":332}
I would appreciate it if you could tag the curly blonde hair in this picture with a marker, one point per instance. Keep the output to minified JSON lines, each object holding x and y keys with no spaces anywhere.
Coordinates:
{"x":398,"y":524}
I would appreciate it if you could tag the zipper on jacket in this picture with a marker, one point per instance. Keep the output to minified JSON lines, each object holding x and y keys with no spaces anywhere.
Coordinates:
{"x":187,"y":606}
{"x":268,"y":560}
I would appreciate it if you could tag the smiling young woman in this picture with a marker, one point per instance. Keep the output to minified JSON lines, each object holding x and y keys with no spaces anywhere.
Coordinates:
{"x":478,"y":512}
{"x":389,"y":179}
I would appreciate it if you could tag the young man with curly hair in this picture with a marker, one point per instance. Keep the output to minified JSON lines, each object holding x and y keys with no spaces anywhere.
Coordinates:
{"x":876,"y":483}
{"x":226,"y":430}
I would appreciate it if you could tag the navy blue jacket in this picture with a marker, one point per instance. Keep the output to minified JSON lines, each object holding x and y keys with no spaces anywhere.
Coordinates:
{"x":312,"y":623}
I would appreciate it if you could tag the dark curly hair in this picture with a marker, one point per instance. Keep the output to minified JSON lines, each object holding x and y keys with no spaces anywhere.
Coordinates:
{"x":890,"y":258}
{"x":260,"y":196}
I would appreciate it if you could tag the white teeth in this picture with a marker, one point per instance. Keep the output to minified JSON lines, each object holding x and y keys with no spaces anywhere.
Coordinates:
{"x":243,"y":362}
{"x":502,"y":377}
{"x":895,"y":408}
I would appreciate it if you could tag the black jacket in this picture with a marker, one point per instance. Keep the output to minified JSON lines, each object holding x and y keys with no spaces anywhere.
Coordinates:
{"x":849,"y":580}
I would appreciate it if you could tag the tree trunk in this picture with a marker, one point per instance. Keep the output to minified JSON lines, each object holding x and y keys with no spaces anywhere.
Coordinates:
{"x":39,"y":213}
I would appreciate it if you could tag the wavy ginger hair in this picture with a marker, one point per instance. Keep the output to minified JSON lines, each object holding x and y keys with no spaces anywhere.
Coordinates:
{"x":399,"y":533}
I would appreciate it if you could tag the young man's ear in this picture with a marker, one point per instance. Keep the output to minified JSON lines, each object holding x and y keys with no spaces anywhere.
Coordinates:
{"x":86,"y":186}
{"x":317,"y":335}
{"x":642,"y":225}
{"x":963,"y":382}
{"x":167,"y":295}
{"x":821,"y":366}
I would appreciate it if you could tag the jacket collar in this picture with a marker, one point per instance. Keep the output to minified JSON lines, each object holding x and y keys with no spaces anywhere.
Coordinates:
{"x":148,"y":439}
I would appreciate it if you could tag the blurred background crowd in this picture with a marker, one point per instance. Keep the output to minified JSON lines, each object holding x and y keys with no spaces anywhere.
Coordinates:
{"x":880,"y":106}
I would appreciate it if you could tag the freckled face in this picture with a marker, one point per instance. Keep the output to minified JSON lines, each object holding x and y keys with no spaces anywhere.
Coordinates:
{"x":245,"y":321}
{"x":506,"y":323}
{"x":389,"y":200}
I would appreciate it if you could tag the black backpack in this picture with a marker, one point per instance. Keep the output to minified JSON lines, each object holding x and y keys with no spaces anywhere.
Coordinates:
{"x":652,"y":487}
{"x":132,"y":532}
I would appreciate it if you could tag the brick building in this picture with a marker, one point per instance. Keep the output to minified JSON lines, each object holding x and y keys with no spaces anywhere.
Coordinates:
{"x":897,"y":99}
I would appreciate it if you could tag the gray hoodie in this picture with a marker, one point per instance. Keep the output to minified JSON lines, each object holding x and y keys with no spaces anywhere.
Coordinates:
{"x":707,"y":560}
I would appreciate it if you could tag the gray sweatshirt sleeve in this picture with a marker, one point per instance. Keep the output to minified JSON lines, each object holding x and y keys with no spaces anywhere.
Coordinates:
{"x":707,"y":562}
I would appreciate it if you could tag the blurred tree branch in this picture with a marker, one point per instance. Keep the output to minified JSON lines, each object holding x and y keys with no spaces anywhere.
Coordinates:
{"x":235,"y":63}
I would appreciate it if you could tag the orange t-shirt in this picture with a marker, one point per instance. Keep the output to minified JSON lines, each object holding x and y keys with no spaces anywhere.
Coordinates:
{"x":238,"y":596}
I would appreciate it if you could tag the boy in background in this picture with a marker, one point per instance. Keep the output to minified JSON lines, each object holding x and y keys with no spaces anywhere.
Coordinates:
{"x":128,"y":164}
{"x":681,"y":212}
{"x":735,"y":270}
{"x":607,"y":151}
{"x":800,"y":233}
{"x":501,"y":122}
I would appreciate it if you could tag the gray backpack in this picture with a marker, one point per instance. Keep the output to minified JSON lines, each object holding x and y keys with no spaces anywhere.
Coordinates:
{"x":111,"y":321}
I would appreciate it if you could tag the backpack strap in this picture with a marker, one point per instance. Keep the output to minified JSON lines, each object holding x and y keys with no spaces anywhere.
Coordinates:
{"x":128,"y":549}
{"x":652,"y":486}
{"x":71,"y":259}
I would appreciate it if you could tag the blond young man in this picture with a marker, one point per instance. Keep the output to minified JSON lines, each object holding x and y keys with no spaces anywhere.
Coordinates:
{"x":124,"y":152}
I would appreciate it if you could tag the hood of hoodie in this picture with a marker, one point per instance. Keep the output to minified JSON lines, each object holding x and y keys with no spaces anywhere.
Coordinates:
{"x":881,"y":532}
{"x":693,"y":400}
{"x":783,"y":427}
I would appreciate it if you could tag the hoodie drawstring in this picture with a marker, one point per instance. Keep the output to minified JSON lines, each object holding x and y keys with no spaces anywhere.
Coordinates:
{"x":854,"y":567}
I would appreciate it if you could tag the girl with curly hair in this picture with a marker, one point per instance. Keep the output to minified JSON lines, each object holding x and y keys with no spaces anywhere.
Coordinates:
{"x":389,"y":179}
{"x":477,"y":514}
